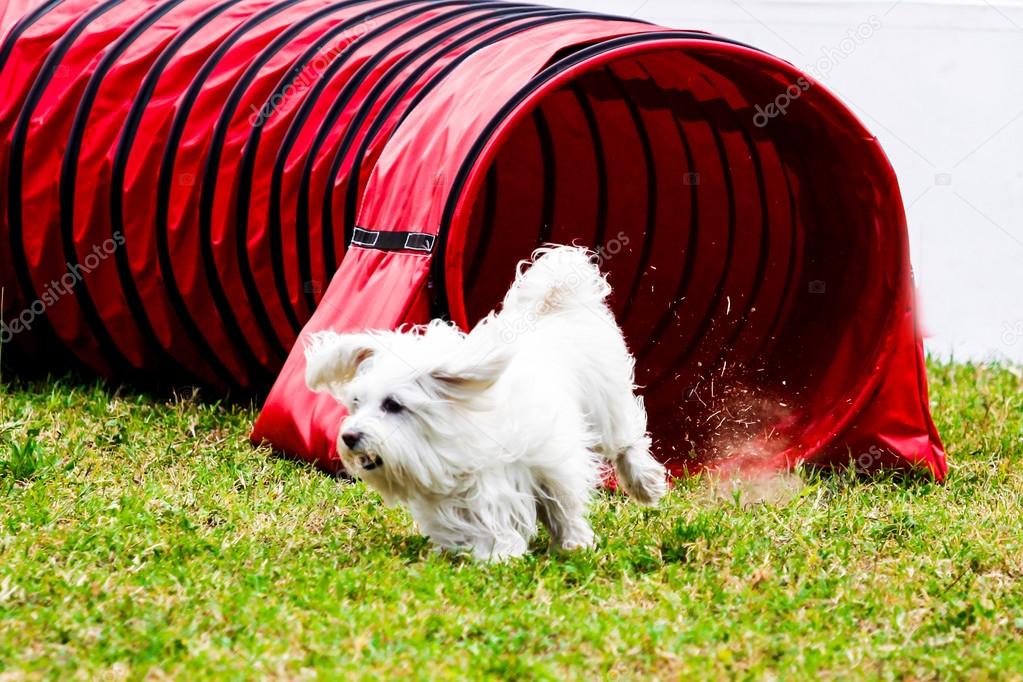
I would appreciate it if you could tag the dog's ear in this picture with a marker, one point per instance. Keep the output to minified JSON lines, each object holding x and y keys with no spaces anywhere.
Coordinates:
{"x":466,"y":378}
{"x":332,"y":359}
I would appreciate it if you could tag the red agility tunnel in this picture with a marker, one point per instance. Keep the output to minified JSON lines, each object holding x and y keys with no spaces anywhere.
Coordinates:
{"x":190,"y":186}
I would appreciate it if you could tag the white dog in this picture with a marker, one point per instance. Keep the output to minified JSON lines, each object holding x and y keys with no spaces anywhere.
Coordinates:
{"x":482,"y":434}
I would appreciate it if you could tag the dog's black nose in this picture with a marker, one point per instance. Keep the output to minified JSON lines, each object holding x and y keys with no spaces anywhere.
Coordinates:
{"x":351,"y":439}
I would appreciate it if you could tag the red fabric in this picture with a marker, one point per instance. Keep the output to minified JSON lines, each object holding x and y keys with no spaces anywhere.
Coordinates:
{"x":296,"y":420}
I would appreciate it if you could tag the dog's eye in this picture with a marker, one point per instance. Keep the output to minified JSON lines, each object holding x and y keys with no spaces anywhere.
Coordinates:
{"x":391,"y":406}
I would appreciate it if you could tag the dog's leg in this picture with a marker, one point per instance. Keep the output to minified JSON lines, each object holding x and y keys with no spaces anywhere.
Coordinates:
{"x":494,"y":534}
{"x":638,"y":473}
{"x":561,"y":507}
{"x":499,"y":518}
{"x":442,"y":525}
{"x":458,"y":529}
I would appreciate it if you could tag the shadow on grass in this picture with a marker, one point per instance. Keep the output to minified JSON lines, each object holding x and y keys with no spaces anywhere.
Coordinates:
{"x":19,"y":457}
{"x":35,"y":376}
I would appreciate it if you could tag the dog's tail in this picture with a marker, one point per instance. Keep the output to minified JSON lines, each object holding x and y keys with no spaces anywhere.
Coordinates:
{"x":558,"y":278}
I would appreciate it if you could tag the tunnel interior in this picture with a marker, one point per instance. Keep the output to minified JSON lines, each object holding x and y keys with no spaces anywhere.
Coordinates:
{"x":746,"y":245}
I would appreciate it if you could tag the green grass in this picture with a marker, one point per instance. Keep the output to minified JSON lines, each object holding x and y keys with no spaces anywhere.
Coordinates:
{"x":141,"y":537}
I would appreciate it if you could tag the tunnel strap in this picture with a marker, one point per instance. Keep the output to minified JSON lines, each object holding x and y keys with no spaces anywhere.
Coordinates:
{"x":393,"y":241}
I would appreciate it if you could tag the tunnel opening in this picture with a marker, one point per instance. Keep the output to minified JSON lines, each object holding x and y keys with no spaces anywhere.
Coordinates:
{"x":752,"y":258}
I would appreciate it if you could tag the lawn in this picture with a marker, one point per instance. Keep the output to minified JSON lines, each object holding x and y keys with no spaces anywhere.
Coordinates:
{"x":143,"y":537}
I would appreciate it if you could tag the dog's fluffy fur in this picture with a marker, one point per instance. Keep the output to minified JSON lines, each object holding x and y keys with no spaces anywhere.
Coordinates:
{"x":483,"y":434}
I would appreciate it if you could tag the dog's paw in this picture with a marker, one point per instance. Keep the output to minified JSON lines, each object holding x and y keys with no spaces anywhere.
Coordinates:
{"x":496,"y":556}
{"x":578,"y":538}
{"x":576,"y":545}
{"x":652,"y":489}
{"x":496,"y":550}
{"x":641,"y":476}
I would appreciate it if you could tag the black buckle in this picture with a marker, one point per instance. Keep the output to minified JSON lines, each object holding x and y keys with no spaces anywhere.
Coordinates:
{"x":361,"y":237}
{"x":422,"y":242}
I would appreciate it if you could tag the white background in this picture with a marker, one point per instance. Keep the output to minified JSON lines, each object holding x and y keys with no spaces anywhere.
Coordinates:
{"x":941,"y":85}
